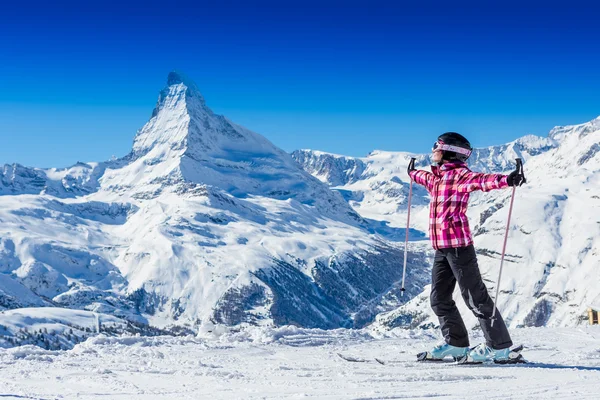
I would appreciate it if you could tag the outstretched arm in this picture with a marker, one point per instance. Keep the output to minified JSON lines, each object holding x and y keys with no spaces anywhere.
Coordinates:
{"x":472,"y":181}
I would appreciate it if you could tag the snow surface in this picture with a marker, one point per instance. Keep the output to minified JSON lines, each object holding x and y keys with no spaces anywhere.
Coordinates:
{"x":291,"y":363}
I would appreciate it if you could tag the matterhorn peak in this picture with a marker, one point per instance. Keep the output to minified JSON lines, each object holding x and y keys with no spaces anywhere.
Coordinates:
{"x":180,"y":92}
{"x":179,"y":79}
{"x":185,"y":143}
{"x":178,"y":103}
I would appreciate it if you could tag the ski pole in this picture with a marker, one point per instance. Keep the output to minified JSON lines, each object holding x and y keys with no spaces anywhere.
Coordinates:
{"x":412,"y":161}
{"x":512,"y":199}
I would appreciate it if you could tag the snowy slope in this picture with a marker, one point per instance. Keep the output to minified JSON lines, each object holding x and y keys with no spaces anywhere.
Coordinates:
{"x":203,"y":222}
{"x":378,"y":190}
{"x":554,"y":240}
{"x":289,"y":363}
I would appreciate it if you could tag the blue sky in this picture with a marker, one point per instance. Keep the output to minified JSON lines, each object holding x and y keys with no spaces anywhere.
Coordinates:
{"x":77,"y":80}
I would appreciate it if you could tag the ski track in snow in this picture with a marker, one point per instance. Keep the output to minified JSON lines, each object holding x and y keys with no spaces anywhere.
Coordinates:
{"x":290,"y":363}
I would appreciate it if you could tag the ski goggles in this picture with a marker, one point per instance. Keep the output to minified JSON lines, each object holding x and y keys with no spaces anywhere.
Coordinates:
{"x":442,"y":146}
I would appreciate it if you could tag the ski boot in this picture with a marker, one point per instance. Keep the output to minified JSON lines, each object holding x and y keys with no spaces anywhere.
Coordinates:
{"x":442,"y":350}
{"x":483,"y":353}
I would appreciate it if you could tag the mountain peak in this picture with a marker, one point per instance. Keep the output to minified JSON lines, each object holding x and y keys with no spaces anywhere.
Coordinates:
{"x":176,"y":77}
{"x":177,"y":103}
{"x":560,"y":133}
{"x":185,"y":142}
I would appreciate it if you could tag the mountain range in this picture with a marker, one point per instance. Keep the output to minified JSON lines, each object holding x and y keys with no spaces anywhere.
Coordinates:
{"x":554,"y":234}
{"x":205,"y":222}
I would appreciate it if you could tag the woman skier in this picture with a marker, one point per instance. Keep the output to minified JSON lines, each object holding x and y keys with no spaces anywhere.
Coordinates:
{"x":449,"y":185}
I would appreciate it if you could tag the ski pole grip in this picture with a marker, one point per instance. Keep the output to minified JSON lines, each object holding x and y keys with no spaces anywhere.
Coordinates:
{"x":411,"y":164}
{"x":520,"y":166}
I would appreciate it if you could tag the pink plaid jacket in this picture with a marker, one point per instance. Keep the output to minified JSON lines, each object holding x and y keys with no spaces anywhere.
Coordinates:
{"x":449,"y":186}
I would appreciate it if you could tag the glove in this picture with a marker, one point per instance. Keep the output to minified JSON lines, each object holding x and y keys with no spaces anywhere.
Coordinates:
{"x":515,"y":178}
{"x":411,"y":165}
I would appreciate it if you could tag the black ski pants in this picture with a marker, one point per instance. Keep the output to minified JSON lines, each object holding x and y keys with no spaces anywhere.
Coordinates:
{"x":460,"y":265}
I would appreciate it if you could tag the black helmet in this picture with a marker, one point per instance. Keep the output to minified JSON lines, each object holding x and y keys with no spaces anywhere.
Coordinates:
{"x":454,"y":145}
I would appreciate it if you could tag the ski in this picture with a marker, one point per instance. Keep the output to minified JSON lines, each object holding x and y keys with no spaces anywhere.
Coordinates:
{"x":361,"y":360}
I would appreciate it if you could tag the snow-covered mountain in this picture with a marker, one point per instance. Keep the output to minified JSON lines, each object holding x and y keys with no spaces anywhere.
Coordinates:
{"x":206,"y":222}
{"x":550,"y":270}
{"x":202,"y":222}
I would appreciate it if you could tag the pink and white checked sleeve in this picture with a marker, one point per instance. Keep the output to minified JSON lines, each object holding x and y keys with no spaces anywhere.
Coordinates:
{"x":472,"y":181}
{"x":421,"y":177}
